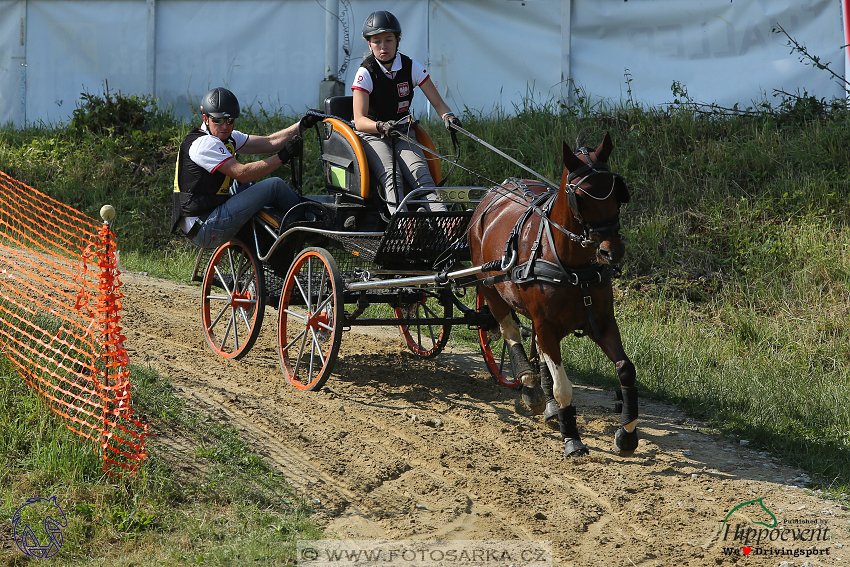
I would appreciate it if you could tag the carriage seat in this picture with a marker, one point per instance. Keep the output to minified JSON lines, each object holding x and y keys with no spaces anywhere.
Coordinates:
{"x":340,"y":106}
{"x":344,"y":163}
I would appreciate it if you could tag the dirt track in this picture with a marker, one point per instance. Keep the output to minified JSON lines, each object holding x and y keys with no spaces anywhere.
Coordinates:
{"x":401,"y":448}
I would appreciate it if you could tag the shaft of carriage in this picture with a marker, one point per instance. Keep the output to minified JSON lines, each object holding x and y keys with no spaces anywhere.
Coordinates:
{"x":437,"y":279}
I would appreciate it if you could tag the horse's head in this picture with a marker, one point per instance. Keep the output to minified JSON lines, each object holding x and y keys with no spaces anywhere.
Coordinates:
{"x":594,"y":195}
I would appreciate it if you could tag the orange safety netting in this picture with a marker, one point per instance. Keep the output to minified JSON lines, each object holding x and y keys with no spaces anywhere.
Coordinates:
{"x":60,"y":304}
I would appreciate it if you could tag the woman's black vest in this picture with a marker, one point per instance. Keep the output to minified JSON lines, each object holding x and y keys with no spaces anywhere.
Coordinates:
{"x":197,"y":191}
{"x":390,"y":98}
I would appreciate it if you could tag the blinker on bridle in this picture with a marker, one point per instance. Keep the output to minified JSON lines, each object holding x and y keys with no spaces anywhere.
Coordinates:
{"x":599,"y":228}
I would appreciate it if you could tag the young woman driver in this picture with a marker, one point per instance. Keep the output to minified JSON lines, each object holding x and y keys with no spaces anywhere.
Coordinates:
{"x":382,"y":93}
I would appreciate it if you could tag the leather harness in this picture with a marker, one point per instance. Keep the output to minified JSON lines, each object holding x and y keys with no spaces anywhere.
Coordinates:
{"x":537,"y":269}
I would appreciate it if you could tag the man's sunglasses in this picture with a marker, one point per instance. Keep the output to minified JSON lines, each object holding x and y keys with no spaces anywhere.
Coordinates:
{"x":222,"y":120}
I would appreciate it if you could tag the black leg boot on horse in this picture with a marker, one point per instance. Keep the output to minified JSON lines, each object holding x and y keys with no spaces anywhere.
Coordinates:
{"x":626,"y":438}
{"x":573,"y":447}
{"x":532,"y":396}
{"x":550,"y":414}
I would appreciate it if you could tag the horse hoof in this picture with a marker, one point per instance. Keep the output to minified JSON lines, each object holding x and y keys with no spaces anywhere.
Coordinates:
{"x":533,"y":398}
{"x":574,"y":448}
{"x":550,"y":415}
{"x":626,"y":442}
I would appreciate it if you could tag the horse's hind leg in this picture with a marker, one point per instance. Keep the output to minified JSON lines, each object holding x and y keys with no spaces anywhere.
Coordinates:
{"x":563,"y":391}
{"x":531,"y":395}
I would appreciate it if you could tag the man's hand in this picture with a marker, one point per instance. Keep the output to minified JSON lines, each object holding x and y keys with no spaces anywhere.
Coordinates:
{"x":309,"y":121}
{"x":291,"y":149}
{"x":387,"y":129}
{"x":450,"y":120}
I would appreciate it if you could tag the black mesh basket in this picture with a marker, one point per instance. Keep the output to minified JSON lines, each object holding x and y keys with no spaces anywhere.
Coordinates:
{"x":414,"y":240}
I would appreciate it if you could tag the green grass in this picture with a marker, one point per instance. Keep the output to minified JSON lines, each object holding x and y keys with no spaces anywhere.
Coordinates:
{"x":226,"y":508}
{"x":734,"y":294}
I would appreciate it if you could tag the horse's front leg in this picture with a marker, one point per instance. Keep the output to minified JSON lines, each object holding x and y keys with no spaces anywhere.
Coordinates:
{"x":626,"y":438}
{"x":562,"y":389}
{"x":531,"y":394}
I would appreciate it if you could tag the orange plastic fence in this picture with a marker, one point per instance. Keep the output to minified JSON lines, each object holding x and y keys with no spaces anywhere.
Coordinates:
{"x":60,"y":303}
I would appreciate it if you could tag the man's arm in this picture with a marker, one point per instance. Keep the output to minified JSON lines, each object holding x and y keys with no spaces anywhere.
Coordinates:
{"x":245,"y":172}
{"x":268,"y":144}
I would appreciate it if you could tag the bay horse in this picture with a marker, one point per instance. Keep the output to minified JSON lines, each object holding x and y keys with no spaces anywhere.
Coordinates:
{"x":556,"y":252}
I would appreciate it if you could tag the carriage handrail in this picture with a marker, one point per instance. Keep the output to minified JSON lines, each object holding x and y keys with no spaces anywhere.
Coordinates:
{"x":465,"y":194}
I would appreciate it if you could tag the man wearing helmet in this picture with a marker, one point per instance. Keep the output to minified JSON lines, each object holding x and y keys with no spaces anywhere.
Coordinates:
{"x":214,"y":194}
{"x":382,"y":93}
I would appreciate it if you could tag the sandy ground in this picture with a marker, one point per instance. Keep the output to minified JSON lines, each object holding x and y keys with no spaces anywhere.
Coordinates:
{"x":402,"y":448}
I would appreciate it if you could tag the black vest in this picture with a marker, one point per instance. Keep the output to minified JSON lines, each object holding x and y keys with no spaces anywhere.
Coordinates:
{"x":197,"y":191}
{"x":390,"y":98}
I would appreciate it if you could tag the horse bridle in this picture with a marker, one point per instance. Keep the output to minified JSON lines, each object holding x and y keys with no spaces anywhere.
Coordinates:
{"x":607,"y":227}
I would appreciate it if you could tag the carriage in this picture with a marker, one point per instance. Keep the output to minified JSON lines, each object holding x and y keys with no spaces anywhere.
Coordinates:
{"x":343,"y":255}
{"x":328,"y":261}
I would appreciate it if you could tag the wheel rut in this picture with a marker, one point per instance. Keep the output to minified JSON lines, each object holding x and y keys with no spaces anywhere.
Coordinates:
{"x":399,"y":447}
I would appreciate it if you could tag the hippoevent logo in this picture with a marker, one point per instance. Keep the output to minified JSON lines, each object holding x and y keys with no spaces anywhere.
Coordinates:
{"x":773,"y":538}
{"x":29,"y":519}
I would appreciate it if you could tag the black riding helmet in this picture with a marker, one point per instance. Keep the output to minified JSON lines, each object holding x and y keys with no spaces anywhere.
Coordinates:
{"x":220,"y":103}
{"x":380,"y":22}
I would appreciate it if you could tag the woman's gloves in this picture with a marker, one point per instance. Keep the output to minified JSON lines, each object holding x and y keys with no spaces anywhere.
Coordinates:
{"x":387,"y":129}
{"x":450,"y":120}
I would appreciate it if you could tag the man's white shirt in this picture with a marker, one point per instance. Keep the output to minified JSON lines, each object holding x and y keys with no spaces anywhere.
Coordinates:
{"x":209,"y":152}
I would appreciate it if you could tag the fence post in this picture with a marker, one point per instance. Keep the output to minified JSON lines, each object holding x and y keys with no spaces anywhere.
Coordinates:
{"x":115,"y":391}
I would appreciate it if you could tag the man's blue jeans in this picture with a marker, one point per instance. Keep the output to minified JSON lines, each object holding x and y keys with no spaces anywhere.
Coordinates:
{"x":226,"y":220}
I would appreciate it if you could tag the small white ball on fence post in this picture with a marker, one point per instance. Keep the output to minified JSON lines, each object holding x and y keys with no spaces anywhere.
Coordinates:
{"x":107,"y":212}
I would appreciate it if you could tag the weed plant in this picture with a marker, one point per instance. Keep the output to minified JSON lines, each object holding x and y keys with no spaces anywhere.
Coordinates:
{"x":734,"y":294}
{"x":201,"y":496}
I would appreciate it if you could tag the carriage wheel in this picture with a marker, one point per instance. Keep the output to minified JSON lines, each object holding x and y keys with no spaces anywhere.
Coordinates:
{"x":495,"y":350}
{"x":310,"y":320}
{"x":426,"y":339}
{"x":232,"y":300}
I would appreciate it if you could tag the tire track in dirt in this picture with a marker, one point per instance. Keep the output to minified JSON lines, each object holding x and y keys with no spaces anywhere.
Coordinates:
{"x":397,"y":447}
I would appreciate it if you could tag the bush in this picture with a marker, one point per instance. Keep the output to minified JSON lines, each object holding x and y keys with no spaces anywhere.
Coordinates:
{"x":112,"y":115}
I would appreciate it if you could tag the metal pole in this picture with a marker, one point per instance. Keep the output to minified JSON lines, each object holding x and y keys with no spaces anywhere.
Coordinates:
{"x":330,"y":85}
{"x":331,"y":39}
{"x":566,"y":38}
{"x":845,"y":8}
{"x":150,"y":75}
{"x":404,"y":282}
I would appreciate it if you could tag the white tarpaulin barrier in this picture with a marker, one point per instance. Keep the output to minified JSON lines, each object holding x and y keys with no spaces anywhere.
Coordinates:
{"x":482,"y":54}
{"x":723,"y":52}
